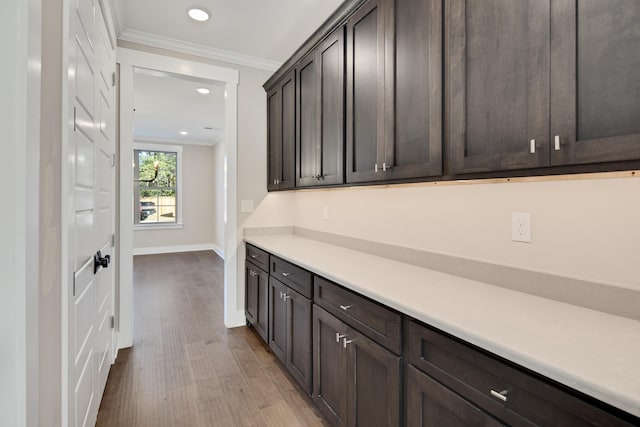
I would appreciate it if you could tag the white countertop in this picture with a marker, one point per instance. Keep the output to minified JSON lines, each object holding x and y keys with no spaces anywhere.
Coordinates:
{"x":593,"y":352}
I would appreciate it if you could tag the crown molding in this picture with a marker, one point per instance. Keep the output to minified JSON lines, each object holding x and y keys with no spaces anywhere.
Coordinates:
{"x":162,"y":42}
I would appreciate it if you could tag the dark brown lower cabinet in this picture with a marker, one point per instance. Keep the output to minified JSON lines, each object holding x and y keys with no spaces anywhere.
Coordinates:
{"x":460,"y":385}
{"x":256,"y":303}
{"x":430,"y":404}
{"x":356,"y":381}
{"x":290,"y":331}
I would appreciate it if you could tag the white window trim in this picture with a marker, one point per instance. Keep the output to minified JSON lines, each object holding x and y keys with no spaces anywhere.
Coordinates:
{"x":170,"y":148}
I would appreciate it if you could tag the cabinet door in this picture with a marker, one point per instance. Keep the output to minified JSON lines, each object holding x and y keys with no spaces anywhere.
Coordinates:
{"x":430,"y":404}
{"x":251,"y":293}
{"x":277,"y":319}
{"x":299,"y":338}
{"x":595,"y":81}
{"x":365,"y":93}
{"x":281,"y":133}
{"x":261,"y":323}
{"x":288,"y":132}
{"x":499,"y":84}
{"x":329,"y":366}
{"x":331,"y":92}
{"x":308,"y":130}
{"x":274,"y":139}
{"x":413,"y":72}
{"x":373,"y":383}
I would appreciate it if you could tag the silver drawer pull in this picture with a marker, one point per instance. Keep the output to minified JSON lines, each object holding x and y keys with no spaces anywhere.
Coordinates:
{"x":286,"y":274}
{"x":345,"y":342}
{"x":253,"y":256}
{"x":500,"y":395}
{"x":533,"y":146}
{"x":556,"y":143}
{"x":281,"y":295}
{"x":286,"y":297}
{"x":346,"y":307}
{"x":339,"y":337}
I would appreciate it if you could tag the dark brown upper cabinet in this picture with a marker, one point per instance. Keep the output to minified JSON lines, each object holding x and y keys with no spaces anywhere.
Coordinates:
{"x":365,"y":93}
{"x":320,"y":142}
{"x":499,"y":84}
{"x":413,"y":99}
{"x":595,"y":81}
{"x":281,"y":123}
{"x":394,"y":90}
{"x":543,"y":83}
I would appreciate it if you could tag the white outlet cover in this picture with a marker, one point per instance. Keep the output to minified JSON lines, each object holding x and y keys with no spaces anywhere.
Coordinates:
{"x":521,"y":227}
{"x":325,"y":213}
{"x":246,"y":206}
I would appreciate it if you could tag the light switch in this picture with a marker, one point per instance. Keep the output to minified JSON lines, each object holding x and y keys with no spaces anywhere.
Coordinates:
{"x":246,"y":206}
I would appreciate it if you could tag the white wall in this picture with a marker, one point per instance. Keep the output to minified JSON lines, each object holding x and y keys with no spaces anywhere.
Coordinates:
{"x":20,"y":44}
{"x":198,"y":204}
{"x":219,"y":196}
{"x":587,"y":229}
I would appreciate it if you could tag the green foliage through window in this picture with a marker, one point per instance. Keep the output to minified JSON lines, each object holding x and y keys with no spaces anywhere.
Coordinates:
{"x":155,"y":193}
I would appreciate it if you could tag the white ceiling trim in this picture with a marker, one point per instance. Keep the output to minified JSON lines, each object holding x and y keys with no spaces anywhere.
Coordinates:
{"x":162,"y":42}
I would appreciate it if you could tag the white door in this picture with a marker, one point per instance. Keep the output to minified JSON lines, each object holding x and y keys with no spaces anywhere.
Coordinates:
{"x":91,"y":228}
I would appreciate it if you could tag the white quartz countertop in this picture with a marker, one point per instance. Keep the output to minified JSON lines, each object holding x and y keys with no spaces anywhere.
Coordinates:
{"x":591,"y":351}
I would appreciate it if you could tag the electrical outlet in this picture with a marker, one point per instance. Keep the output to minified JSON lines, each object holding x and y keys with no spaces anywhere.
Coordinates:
{"x":521,"y":227}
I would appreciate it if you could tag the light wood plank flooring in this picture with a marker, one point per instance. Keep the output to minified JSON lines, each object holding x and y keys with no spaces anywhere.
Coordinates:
{"x":186,"y":368}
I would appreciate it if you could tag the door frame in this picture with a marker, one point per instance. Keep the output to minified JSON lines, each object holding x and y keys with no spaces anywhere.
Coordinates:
{"x":128,"y":60}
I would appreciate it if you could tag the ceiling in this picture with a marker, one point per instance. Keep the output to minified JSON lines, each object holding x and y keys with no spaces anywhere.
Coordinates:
{"x":166,"y":104}
{"x":268,"y":30}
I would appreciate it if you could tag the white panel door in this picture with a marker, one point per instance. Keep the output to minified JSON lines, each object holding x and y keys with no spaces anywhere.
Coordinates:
{"x":92,"y":224}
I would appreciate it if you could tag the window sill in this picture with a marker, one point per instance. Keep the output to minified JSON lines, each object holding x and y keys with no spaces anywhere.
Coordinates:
{"x":138,"y":227}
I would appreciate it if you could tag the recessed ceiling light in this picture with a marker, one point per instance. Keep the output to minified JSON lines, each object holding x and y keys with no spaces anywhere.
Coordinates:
{"x":184,"y":132}
{"x":203,"y":90}
{"x":198,"y":14}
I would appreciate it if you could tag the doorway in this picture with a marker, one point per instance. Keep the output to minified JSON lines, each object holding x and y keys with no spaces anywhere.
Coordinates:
{"x":129,"y":61}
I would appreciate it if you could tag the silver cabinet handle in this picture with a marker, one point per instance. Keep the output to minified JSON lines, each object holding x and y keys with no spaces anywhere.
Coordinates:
{"x":500,"y":395}
{"x":346,"y":307}
{"x":253,"y":256}
{"x":252,"y":273}
{"x":339,"y":337}
{"x":286,"y":297}
{"x":532,"y":144}
{"x":385,"y":167}
{"x":556,"y":143}
{"x":345,"y":342}
{"x":375,"y":168}
{"x":281,"y":295}
{"x":286,"y":274}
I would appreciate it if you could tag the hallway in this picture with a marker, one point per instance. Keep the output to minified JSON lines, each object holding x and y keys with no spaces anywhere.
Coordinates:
{"x":186,"y":368}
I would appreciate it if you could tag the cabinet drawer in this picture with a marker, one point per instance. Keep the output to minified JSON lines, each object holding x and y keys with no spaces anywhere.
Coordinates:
{"x":291,"y":275}
{"x":258,"y":257}
{"x":509,"y":392}
{"x":379,"y":323}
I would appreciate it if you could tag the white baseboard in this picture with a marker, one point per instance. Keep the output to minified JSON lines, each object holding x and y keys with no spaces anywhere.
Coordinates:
{"x":219,"y":251}
{"x":180,"y":248}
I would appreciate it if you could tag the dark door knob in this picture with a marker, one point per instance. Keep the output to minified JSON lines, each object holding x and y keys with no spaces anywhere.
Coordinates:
{"x":100,"y":261}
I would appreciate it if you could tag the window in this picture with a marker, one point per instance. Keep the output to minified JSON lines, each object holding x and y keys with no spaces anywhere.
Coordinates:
{"x":156,"y":185}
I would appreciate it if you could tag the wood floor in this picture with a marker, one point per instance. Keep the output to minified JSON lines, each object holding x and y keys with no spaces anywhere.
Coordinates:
{"x":185,"y":367}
